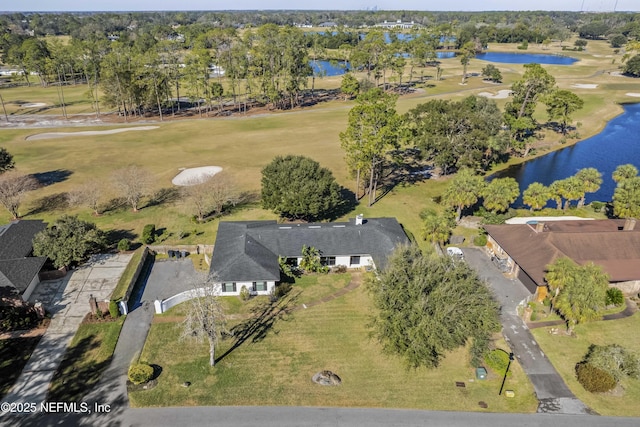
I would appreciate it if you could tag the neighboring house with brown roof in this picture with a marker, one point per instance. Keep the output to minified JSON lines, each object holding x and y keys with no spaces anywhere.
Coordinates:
{"x":19,"y":269}
{"x":526,"y":249}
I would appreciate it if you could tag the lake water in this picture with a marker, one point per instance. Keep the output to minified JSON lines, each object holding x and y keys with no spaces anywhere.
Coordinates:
{"x":338,"y":68}
{"x":617,"y":144}
{"x":329,"y":68}
{"x":525,"y":58}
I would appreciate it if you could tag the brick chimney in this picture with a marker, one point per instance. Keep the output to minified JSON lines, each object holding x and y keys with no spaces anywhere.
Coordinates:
{"x":629,"y":224}
{"x":539,"y":227}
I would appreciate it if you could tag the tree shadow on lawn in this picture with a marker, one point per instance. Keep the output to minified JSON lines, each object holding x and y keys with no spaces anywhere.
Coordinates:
{"x":14,"y":354}
{"x":262,"y":320}
{"x":52,"y":202}
{"x":164,"y":195}
{"x":407,"y":167}
{"x":114,"y":236}
{"x":52,"y":177}
{"x":72,"y":381}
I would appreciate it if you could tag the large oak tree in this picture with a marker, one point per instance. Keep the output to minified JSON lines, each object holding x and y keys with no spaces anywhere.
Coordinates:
{"x":297,"y":187}
{"x":427,"y":306}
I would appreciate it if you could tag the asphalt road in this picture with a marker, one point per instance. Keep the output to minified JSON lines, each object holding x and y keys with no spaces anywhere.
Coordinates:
{"x":310,"y":417}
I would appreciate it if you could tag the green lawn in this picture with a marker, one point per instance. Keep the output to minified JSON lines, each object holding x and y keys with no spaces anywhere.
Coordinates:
{"x":564,"y":352}
{"x":274,"y":366}
{"x":14,"y":354}
{"x":86,"y":358}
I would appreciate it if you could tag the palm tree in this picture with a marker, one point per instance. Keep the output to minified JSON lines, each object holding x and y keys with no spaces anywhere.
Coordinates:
{"x":623,"y":172}
{"x":436,"y":228}
{"x":582,"y":298}
{"x":626,"y":198}
{"x":591,"y":180}
{"x":536,"y":195}
{"x":560,"y":274}
{"x":500,"y":193}
{"x":555,"y":193}
{"x":463,"y":191}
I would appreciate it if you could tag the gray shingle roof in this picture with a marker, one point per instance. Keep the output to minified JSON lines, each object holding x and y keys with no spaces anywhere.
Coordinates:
{"x":17,"y":268}
{"x":249,"y":250}
{"x":20,"y":272}
{"x":16,"y":238}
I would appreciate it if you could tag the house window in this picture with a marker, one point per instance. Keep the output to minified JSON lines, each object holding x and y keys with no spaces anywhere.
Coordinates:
{"x":229,"y":287}
{"x":328,"y":260}
{"x":259,"y":286}
{"x":354,"y":260}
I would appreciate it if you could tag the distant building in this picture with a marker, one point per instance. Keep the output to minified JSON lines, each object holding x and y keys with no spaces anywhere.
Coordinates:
{"x":328,"y":24}
{"x":398,"y":25}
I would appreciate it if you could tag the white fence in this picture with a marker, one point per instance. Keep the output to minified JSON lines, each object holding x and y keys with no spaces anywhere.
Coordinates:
{"x":166,"y":304}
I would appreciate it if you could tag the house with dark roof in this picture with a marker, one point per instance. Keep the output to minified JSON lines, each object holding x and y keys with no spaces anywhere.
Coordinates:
{"x":526,"y":249}
{"x":19,"y":269}
{"x":246,"y":252}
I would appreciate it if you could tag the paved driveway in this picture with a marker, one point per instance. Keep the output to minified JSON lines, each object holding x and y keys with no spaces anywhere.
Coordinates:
{"x":67,"y":299}
{"x":166,"y":278}
{"x":553,"y":394}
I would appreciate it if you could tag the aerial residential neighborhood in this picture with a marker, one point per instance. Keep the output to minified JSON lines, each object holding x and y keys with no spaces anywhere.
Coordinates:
{"x":350,"y":216}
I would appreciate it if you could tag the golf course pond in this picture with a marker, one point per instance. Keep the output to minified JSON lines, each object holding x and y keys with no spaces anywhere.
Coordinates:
{"x":525,"y":58}
{"x":617,"y":144}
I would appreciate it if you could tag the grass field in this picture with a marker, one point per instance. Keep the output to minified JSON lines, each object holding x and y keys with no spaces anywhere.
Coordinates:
{"x":564,"y":352}
{"x":274,"y":366}
{"x":86,"y":358}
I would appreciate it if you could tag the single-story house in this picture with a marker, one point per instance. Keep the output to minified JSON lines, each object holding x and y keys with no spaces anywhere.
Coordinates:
{"x":246,"y":252}
{"x":19,"y":269}
{"x":526,"y":249}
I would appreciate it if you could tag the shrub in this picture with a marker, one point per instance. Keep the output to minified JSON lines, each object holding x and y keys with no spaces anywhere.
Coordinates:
{"x":498,"y":360}
{"x":480,"y":240}
{"x":16,"y":318}
{"x":614,"y":359}
{"x":140,"y":373}
{"x":149,"y":234}
{"x":339,"y":269}
{"x":614,"y":297}
{"x":597,"y":206}
{"x":282,"y":289}
{"x":593,"y":379}
{"x":245,"y":294}
{"x":114,"y":312}
{"x":124,"y":245}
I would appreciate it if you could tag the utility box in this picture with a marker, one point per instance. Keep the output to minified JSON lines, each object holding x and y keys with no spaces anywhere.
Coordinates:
{"x":481,"y":373}
{"x":510,"y":393}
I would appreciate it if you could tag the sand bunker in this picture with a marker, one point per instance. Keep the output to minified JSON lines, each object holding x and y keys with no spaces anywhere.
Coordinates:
{"x":52,"y":135}
{"x":33,"y":105}
{"x":584,"y":86}
{"x":194,"y":176}
{"x":502,"y":94}
{"x":634,"y":94}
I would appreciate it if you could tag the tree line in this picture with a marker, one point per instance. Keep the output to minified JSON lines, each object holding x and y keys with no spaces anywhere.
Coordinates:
{"x":450,"y":135}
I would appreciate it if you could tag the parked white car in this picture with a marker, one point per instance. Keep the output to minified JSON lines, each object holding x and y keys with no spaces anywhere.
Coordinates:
{"x":455,"y":252}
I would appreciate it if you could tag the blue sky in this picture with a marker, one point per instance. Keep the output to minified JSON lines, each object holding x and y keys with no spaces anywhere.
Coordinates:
{"x":465,"y":5}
